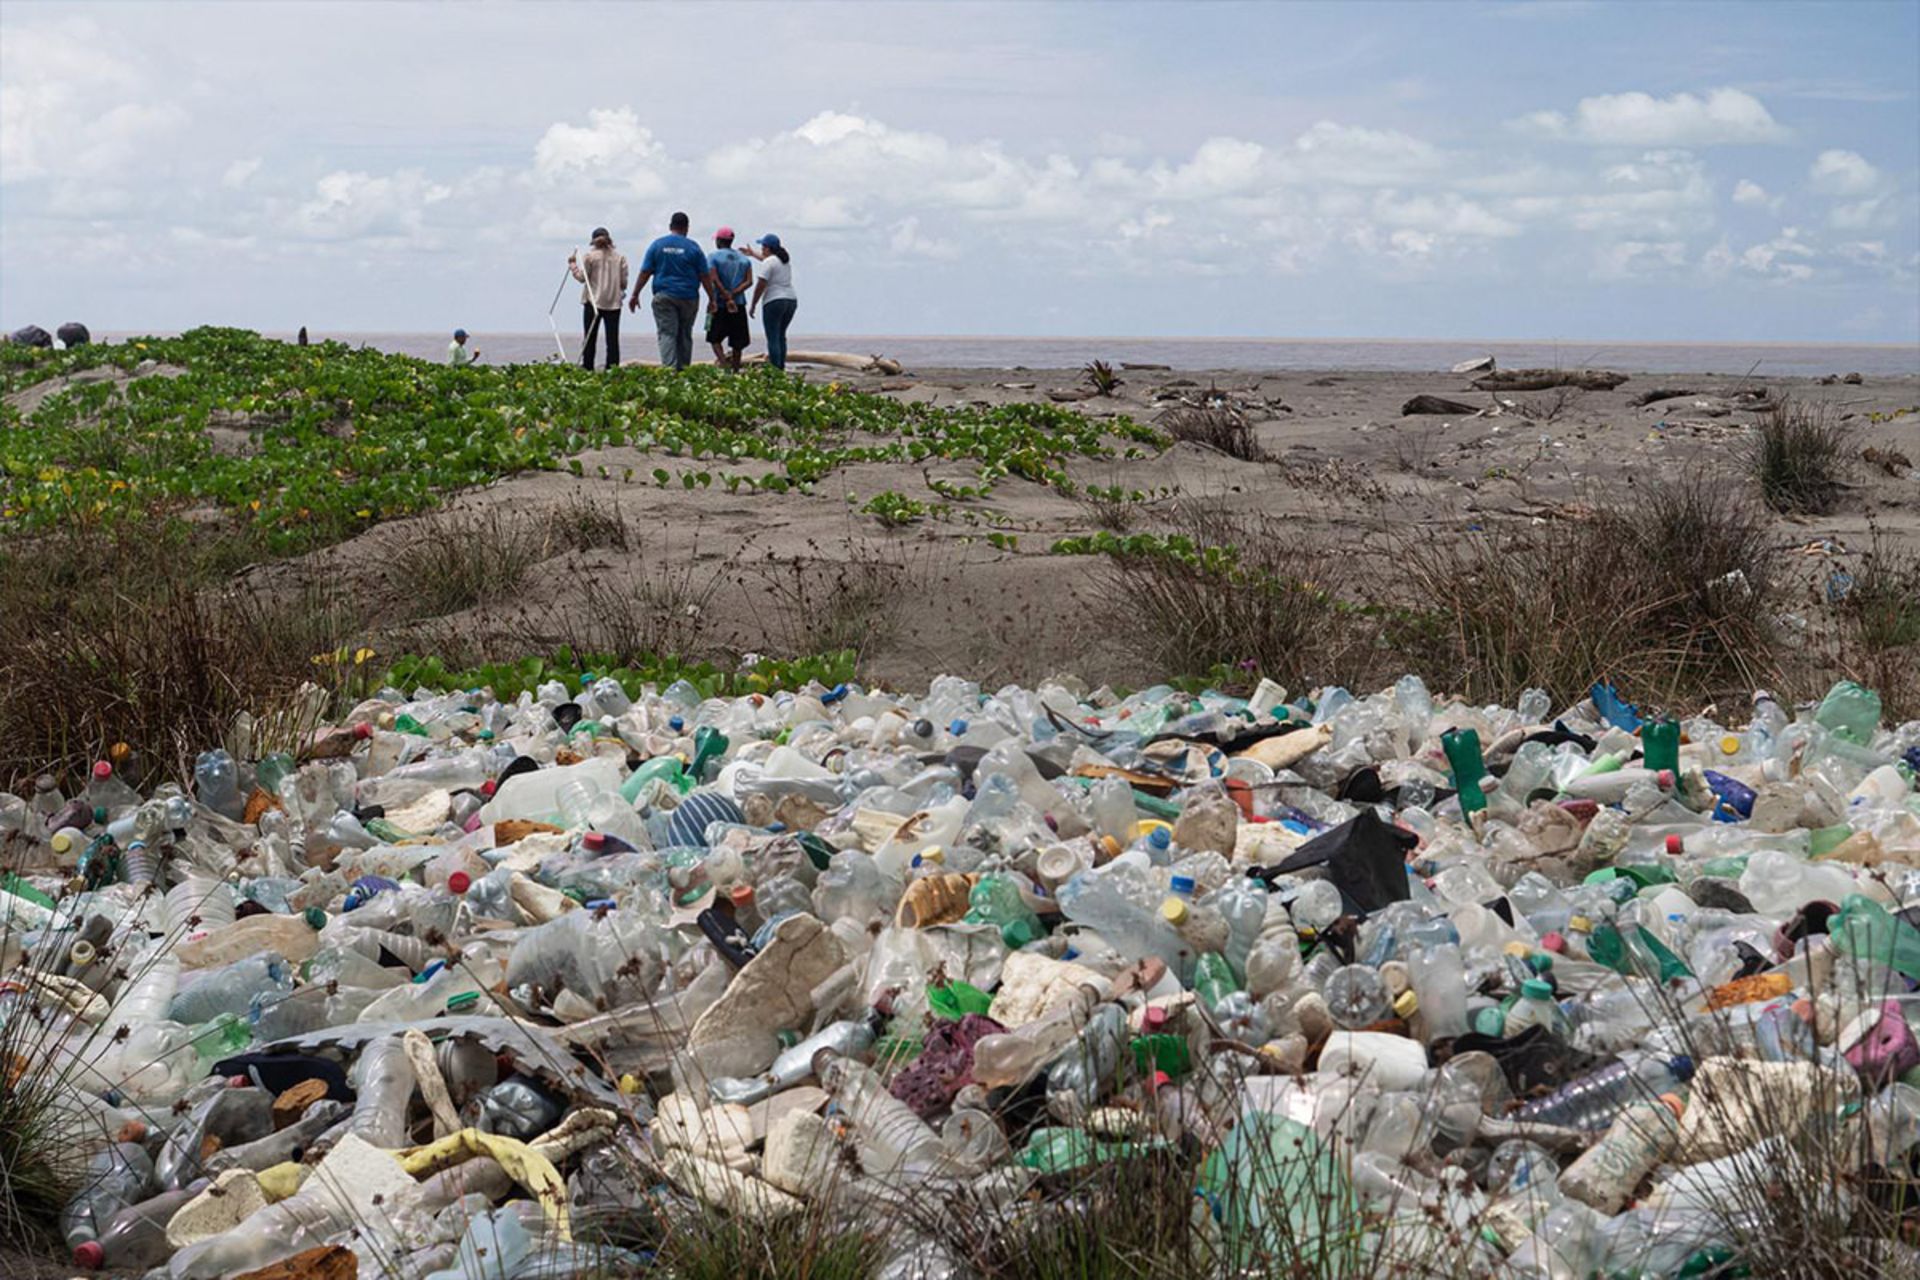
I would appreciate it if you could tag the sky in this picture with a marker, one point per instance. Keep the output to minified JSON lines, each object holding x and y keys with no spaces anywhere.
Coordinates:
{"x":1740,"y":172}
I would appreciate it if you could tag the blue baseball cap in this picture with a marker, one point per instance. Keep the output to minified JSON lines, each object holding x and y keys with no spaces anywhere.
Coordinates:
{"x":459,"y":333}
{"x":770,"y":241}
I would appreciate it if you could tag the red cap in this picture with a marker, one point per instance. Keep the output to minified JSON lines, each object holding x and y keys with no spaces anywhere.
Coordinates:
{"x":1673,"y":844}
{"x":488,"y":787}
{"x":1154,"y":1018}
{"x":593,"y":839}
{"x":102,"y":770}
{"x":363,"y":730}
{"x":1665,"y":779}
{"x":1159,"y":1081}
{"x":459,"y":882}
{"x":92,"y":1255}
{"x":1553,"y":942}
{"x":238,"y":1082}
{"x":742,"y":894}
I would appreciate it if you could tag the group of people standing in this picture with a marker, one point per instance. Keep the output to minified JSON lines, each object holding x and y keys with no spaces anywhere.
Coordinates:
{"x":682,"y":273}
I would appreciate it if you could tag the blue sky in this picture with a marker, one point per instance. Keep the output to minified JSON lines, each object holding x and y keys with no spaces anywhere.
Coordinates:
{"x":1663,"y":172}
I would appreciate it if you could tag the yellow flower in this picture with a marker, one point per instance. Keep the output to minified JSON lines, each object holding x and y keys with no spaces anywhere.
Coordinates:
{"x":363,"y":513}
{"x":361,"y":655}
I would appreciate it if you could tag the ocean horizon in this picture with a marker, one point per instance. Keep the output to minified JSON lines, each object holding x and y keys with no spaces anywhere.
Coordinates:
{"x":1267,"y":355}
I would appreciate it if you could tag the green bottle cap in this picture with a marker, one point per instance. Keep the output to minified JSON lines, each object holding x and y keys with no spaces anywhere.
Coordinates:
{"x":1537,"y":989}
{"x":316,"y":918}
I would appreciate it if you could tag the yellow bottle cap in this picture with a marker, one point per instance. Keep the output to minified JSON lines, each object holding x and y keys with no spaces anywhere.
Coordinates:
{"x":62,"y":841}
{"x":1110,"y":846}
{"x":933,"y":853}
{"x":1405,"y":1003}
{"x":1173,"y":911}
{"x":1579,"y":924}
{"x":1520,"y":949}
{"x":1146,"y":827}
{"x":1729,"y":745}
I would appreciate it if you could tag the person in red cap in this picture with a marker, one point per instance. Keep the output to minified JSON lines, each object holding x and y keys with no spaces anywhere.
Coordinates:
{"x":727,"y":326}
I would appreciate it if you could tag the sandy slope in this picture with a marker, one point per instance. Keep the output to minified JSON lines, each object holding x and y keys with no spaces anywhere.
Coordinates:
{"x":1346,"y":469}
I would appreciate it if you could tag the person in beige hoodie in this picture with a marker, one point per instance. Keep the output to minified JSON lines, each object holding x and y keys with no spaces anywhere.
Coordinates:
{"x":603,"y":277}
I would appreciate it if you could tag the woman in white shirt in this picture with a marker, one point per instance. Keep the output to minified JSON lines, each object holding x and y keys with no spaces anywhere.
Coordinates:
{"x":775,"y":289}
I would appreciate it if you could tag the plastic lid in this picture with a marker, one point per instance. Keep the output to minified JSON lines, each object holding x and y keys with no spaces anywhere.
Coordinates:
{"x":594,"y":839}
{"x":1173,"y":911}
{"x":92,"y":1255}
{"x":488,"y":787}
{"x":1153,"y":1017}
{"x":1665,"y":779}
{"x":1518,"y":949}
{"x":1537,"y":989}
{"x":1159,"y":1080}
{"x":957,"y":727}
{"x":742,"y":895}
{"x":316,"y":918}
{"x":1673,"y":1102}
{"x":102,"y":771}
{"x":63,"y":841}
{"x":1553,"y":941}
{"x":465,"y":1000}
{"x":1160,"y":837}
{"x":1182,"y":885}
{"x":1579,"y":924}
{"x":1681,"y":1066}
{"x":363,"y":730}
{"x":1540,"y":962}
{"x":459,"y":882}
{"x":1729,"y":745}
{"x":676,"y":723}
{"x":932,"y":853}
{"x":1406,"y":1003}
{"x":1674,"y":845}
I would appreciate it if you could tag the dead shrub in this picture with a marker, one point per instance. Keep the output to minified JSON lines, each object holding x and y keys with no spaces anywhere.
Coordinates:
{"x":451,"y":564}
{"x":1219,"y":427}
{"x":1800,"y":457}
{"x":828,"y":604}
{"x":1879,"y":627}
{"x":1667,"y":593}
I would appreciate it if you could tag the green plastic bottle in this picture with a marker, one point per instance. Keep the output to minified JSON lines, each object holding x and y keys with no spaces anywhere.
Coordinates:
{"x":1849,"y":711}
{"x":1660,"y":745}
{"x":997,"y":900}
{"x":1213,"y":979}
{"x":1469,"y":767}
{"x":1865,"y":928}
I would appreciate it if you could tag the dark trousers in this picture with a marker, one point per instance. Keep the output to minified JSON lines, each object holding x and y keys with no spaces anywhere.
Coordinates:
{"x":778,"y":315}
{"x":610,"y":322}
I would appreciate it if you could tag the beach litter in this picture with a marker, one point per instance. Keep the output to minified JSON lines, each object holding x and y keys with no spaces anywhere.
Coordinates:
{"x":457,"y":987}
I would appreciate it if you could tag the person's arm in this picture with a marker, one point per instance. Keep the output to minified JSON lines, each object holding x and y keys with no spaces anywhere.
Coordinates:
{"x":758,"y":290}
{"x":633,"y":303}
{"x":758,"y":255}
{"x":573,"y":265}
{"x":623,"y":273}
{"x":740,"y":294}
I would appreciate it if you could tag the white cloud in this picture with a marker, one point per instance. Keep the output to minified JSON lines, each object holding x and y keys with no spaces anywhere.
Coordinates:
{"x":72,"y":106}
{"x":612,"y":150}
{"x":1785,"y":257}
{"x":360,"y":206}
{"x":1722,"y":116}
{"x":1627,"y":258}
{"x":1749,"y":192}
{"x":1843,"y":173}
{"x":240,"y":172}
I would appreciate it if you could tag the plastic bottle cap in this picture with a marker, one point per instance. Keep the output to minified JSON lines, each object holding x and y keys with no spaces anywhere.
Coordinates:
{"x":1681,"y":1066}
{"x":957,"y":728}
{"x":1154,"y":1018}
{"x":102,"y":771}
{"x":1159,"y":1080}
{"x":593,"y":839}
{"x":316,"y":918}
{"x":239,"y":1082}
{"x":1110,"y":846}
{"x":1729,"y":745}
{"x":1665,"y":779}
{"x":1579,"y":924}
{"x":91,"y":1255}
{"x":1406,"y":1003}
{"x":1160,"y":838}
{"x":1182,"y":885}
{"x":119,"y":752}
{"x":465,"y":1000}
{"x":933,"y":853}
{"x":1540,"y":962}
{"x":1173,"y":911}
{"x":99,"y":813}
{"x":1537,"y":989}
{"x":459,"y":882}
{"x":1673,"y":1102}
{"x":676,"y":723}
{"x":62,"y":841}
{"x":1490,"y":1021}
{"x":488,"y":787}
{"x":742,"y":895}
{"x":1519,"y":950}
{"x":1554,"y":942}
{"x":1674,"y":845}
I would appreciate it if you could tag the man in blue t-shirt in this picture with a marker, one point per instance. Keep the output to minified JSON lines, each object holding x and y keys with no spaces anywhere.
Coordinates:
{"x":728,"y":328}
{"x":679,"y":270}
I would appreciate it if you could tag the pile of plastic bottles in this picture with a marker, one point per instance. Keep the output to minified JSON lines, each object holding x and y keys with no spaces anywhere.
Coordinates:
{"x":458,"y":987}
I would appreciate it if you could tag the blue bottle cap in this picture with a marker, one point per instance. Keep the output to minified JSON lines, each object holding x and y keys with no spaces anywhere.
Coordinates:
{"x":596,"y":903}
{"x":958,"y":727}
{"x":431,"y":969}
{"x":676,"y":724}
{"x":1681,"y":1066}
{"x":1161,"y":838}
{"x":1182,"y":885}
{"x":834,"y":694}
{"x":586,"y":678}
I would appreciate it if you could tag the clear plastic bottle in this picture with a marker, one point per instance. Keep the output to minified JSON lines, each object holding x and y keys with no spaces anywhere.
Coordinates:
{"x":1536,"y":1007}
{"x":1356,"y":997}
{"x":385,"y":1091}
{"x":198,"y":904}
{"x":136,"y":1238}
{"x":1640,"y":1138}
{"x":889,"y":1137}
{"x":1438,"y":979}
{"x":1596,"y":1099}
{"x":1078,"y":1080}
{"x":232,"y":989}
{"x":1017,"y":1055}
{"x":115,"y":1178}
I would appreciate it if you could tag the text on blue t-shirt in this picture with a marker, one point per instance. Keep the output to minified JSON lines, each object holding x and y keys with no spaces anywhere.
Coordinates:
{"x":678,"y":266}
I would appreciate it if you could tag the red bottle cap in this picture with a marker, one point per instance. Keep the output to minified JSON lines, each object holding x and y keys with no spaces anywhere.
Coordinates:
{"x":102,"y":771}
{"x":459,"y":882}
{"x":593,"y":839}
{"x":1665,"y":779}
{"x":742,"y":895}
{"x":1160,"y":1081}
{"x":363,"y":730}
{"x":92,"y":1255}
{"x":239,"y":1082}
{"x":1674,"y":845}
{"x":1154,"y":1018}
{"x":1553,"y":942}
{"x":488,"y":787}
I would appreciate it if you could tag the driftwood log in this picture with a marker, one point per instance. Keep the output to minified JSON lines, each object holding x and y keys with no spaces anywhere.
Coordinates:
{"x":840,"y":360}
{"x":1436,"y":404}
{"x":1544,"y":379}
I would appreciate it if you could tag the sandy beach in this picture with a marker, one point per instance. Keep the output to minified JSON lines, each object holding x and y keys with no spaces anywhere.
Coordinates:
{"x":1343,"y":466}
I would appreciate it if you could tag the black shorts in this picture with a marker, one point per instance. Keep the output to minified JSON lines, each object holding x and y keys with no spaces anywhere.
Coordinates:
{"x":729,"y":327}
